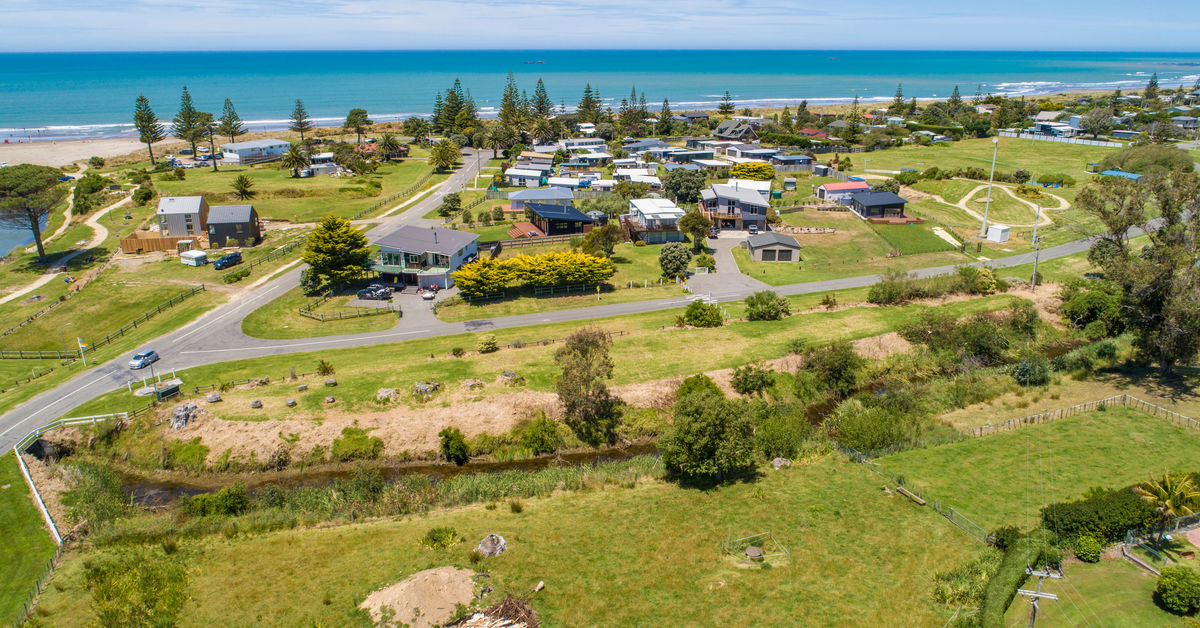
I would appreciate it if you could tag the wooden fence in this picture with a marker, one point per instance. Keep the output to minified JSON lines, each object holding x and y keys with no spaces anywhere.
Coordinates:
{"x":25,"y":380}
{"x":1123,"y":400}
{"x":273,"y":255}
{"x":306,"y":311}
{"x":137,"y":243}
{"x":386,"y":201}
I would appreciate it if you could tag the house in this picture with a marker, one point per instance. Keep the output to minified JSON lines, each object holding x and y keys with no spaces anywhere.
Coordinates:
{"x":894,"y":121}
{"x":529,"y":158}
{"x":1184,"y":122}
{"x":789,"y":184}
{"x":627,"y":174}
{"x":731,"y":207}
{"x":836,"y":192}
{"x":791,"y":162}
{"x":762,"y":187}
{"x":523,"y":176}
{"x":558,"y":219}
{"x":1047,"y":116}
{"x":233,"y":223}
{"x":593,"y":159}
{"x":182,"y":216}
{"x":1057,"y":129}
{"x":816,"y":134}
{"x":738,"y":130}
{"x":587,"y":128}
{"x":637,"y":146}
{"x":424,"y":257}
{"x":254,"y":151}
{"x":772,"y":247}
{"x":544,"y":168}
{"x":985,"y":110}
{"x":691,"y":117}
{"x":550,"y":196}
{"x":712,"y":164}
{"x":689,"y":156}
{"x":573,"y":183}
{"x":750,"y":151}
{"x":877,"y":204}
{"x":651,"y":180}
{"x":1124,"y":134}
{"x":653,"y":220}
{"x":320,"y":158}
{"x":581,"y":143}
{"x":603,"y":185}
{"x":668,"y":166}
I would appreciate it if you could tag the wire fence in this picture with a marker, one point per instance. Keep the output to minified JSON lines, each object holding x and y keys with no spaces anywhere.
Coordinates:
{"x":1123,"y":400}
{"x":391,"y":199}
{"x":25,"y":380}
{"x":36,"y":590}
{"x":306,"y":310}
{"x":1060,"y":140}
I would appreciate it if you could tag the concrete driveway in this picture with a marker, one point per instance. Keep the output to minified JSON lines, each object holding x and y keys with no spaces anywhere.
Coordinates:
{"x":728,"y":280}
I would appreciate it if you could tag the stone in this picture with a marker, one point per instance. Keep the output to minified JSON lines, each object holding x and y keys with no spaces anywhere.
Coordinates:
{"x":780,"y":463}
{"x":183,"y":415}
{"x":511,"y":379}
{"x":754,"y":553}
{"x":472,"y":384}
{"x":213,"y":397}
{"x":492,"y":545}
{"x":329,"y":399}
{"x":540,"y":585}
{"x":302,"y":388}
{"x":259,"y":382}
{"x":291,"y":403}
{"x":256,"y":404}
{"x":426,"y":389}
{"x":385,"y":394}
{"x":331,"y":382}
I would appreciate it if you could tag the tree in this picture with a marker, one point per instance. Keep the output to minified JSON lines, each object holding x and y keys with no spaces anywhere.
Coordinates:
{"x":887,"y":185}
{"x":751,"y":379}
{"x":666,"y":119}
{"x":696,"y":226}
{"x":683,"y":186}
{"x":602,"y":240}
{"x":482,"y":277}
{"x":1159,"y":283}
{"x":542,"y":106}
{"x":767,"y":306}
{"x":585,"y":363}
{"x":444,"y":155}
{"x":673,"y":259}
{"x":451,"y":204}
{"x":242,"y":187}
{"x":299,"y":121}
{"x":27,"y":193}
{"x":710,"y":437}
{"x":753,"y":171}
{"x":388,"y":144}
{"x":454,"y":446}
{"x":588,"y":108}
{"x":149,"y":129}
{"x":955,"y":102}
{"x":186,"y":124}
{"x":786,"y":121}
{"x":510,"y":105}
{"x":837,"y":365}
{"x":1097,"y":120}
{"x":1178,"y":589}
{"x":630,"y":190}
{"x":1171,"y":496}
{"x":701,"y":314}
{"x":206,"y":128}
{"x":415,"y":127}
{"x":898,"y":107}
{"x":231,"y":124}
{"x":337,"y":252}
{"x":295,"y":159}
{"x":726,"y":107}
{"x":1151,"y":92}
{"x":358,"y":122}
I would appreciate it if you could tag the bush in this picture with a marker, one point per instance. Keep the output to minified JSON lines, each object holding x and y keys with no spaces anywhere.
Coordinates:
{"x":96,"y":162}
{"x":1178,"y":590}
{"x":440,"y":538}
{"x":454,"y":446}
{"x":1032,"y":371}
{"x":457,"y":352}
{"x":236,"y":275}
{"x":1027,"y":551}
{"x":144,"y":194}
{"x":695,"y":384}
{"x":965,"y":584}
{"x":1104,"y":515}
{"x":137,"y":586}
{"x":700,"y":314}
{"x":541,"y":436}
{"x":311,"y":283}
{"x":1004,"y":537}
{"x":516,"y":507}
{"x":837,"y":365}
{"x":324,"y":368}
{"x":229,"y":501}
{"x":751,"y":379}
{"x":487,"y":344}
{"x":355,"y":444}
{"x":709,"y":438}
{"x":1087,"y":549}
{"x":674,"y":259}
{"x":781,"y":434}
{"x":767,"y":306}
{"x":705,"y":260}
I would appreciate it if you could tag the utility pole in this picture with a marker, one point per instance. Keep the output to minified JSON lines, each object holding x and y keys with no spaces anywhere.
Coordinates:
{"x":1034,"y":596}
{"x":1037,"y":248}
{"x":991,"y":178}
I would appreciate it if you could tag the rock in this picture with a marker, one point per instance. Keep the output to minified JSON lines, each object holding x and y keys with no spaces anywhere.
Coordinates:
{"x":492,"y":545}
{"x":472,"y":384}
{"x":329,"y":399}
{"x":213,"y":397}
{"x":426,"y":389}
{"x":331,"y":382}
{"x":385,"y":394}
{"x":183,"y":415}
{"x":291,"y":403}
{"x":540,"y":585}
{"x":259,"y":382}
{"x":302,"y":388}
{"x":256,"y":404}
{"x":780,"y":463}
{"x":511,"y":379}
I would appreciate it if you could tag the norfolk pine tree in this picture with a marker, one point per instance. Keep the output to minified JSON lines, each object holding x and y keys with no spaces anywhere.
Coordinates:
{"x":149,"y":129}
{"x":336,"y":251}
{"x":186,"y":125}
{"x":230,"y":123}
{"x":299,"y":121}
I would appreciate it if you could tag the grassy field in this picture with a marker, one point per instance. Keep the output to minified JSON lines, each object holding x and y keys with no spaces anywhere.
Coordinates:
{"x":951,"y":190}
{"x":1108,"y":594}
{"x":27,"y":545}
{"x":648,"y":555}
{"x":1006,"y":478}
{"x":848,"y":259}
{"x":1004,"y":208}
{"x":280,"y":319}
{"x":913,"y":239}
{"x":1037,"y":157}
{"x":279,"y":196}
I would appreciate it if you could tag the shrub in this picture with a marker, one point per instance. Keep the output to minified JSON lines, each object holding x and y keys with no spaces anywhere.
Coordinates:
{"x":705,"y":260}
{"x":516,"y":507}
{"x":487,"y":344}
{"x":355,"y":444}
{"x":1178,"y":590}
{"x":796,"y":346}
{"x":1030,"y":550}
{"x":837,"y":365}
{"x":1032,"y":371}
{"x":829,"y":301}
{"x":236,"y":275}
{"x":457,"y":352}
{"x":541,"y":436}
{"x":1004,"y":537}
{"x":673,"y":259}
{"x":144,"y":194}
{"x":454,"y":446}
{"x":1104,"y":515}
{"x":751,"y":379}
{"x":1087,"y":549}
{"x":894,"y":287}
{"x":700,"y":314}
{"x":229,"y":501}
{"x":965,"y":584}
{"x":767,"y":306}
{"x":781,"y":434}
{"x":96,"y":162}
{"x":440,"y":538}
{"x":324,"y":368}
{"x":710,"y":437}
{"x":695,"y":384}
{"x":137,"y":586}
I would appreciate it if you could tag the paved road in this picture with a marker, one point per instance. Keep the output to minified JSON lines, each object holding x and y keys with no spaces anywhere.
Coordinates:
{"x":217,"y":335}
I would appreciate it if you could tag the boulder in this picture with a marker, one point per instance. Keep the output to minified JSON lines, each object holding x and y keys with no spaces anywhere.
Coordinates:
{"x":511,"y":379}
{"x":256,"y":404}
{"x":302,"y":388}
{"x":329,"y":399}
{"x":472,"y":384}
{"x":426,"y":389}
{"x":780,"y":463}
{"x":213,"y":397}
{"x":183,"y":415}
{"x":331,"y":382}
{"x":492,"y":545}
{"x":291,"y":403}
{"x":385,"y":394}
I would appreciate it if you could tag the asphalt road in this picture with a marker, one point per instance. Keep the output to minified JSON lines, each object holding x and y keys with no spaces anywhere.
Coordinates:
{"x":217,"y":336}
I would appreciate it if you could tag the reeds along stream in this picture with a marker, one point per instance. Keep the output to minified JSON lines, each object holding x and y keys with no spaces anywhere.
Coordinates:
{"x":149,"y":491}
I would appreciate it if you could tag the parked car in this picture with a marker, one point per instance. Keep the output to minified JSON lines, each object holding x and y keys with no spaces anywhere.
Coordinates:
{"x":143,"y":358}
{"x":375,"y":292}
{"x":753,"y":229}
{"x":714,"y":232}
{"x":186,"y":151}
{"x":227,"y":260}
{"x":429,"y":295}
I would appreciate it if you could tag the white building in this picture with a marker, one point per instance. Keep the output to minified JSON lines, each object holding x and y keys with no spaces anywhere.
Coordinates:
{"x":762,"y":187}
{"x":254,"y":151}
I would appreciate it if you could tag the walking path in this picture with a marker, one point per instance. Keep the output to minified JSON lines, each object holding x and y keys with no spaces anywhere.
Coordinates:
{"x":962,"y":204}
{"x":70,"y":206}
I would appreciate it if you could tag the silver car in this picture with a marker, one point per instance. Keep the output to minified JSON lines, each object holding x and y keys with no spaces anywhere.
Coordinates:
{"x":142,"y":359}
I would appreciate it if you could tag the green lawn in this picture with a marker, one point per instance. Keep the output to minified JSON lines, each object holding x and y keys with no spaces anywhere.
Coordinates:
{"x":1037,"y":157}
{"x":514,"y":306}
{"x":280,"y":318}
{"x":947,"y":215}
{"x":848,"y":259}
{"x":1108,"y":594}
{"x":643,"y":556}
{"x":1006,"y":478}
{"x":1003,"y":209}
{"x":913,"y":239}
{"x":27,"y":546}
{"x":279,"y":196}
{"x":951,"y":190}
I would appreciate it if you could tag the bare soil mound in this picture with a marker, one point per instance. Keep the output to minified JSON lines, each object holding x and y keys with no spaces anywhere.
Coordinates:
{"x":423,"y":600}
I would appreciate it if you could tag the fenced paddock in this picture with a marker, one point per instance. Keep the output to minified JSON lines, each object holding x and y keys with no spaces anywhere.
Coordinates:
{"x":1123,"y":400}
{"x":771,"y":551}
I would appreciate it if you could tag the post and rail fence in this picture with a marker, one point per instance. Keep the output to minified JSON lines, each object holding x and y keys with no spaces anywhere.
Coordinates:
{"x":391,"y":199}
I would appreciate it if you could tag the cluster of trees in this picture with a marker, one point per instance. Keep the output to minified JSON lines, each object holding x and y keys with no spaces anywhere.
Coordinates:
{"x":556,"y":268}
{"x":189,"y":124}
{"x":336,"y":254}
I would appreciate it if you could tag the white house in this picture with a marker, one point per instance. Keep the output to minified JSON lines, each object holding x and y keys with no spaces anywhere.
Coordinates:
{"x":654,"y":220}
{"x":587,"y":128}
{"x":254,"y":151}
{"x":762,"y":187}
{"x":523,"y":176}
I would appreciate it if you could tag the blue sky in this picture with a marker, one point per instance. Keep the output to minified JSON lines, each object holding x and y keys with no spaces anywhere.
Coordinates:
{"x":75,"y":25}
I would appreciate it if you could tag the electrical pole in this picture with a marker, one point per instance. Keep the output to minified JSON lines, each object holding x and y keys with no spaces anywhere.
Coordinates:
{"x":1037,"y":248}
{"x":1034,"y":596}
{"x":991,"y":178}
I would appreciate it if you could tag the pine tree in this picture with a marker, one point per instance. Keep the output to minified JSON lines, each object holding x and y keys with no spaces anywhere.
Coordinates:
{"x":357,"y":122}
{"x":912,"y":106}
{"x":643,"y":109}
{"x":542,"y":105}
{"x":726,"y":107}
{"x":337,"y":252}
{"x":665,"y":119}
{"x":1151,"y":92}
{"x":897,"y":107}
{"x":186,"y":125}
{"x":438,"y":113}
{"x":803,"y":116}
{"x":978,"y":94}
{"x":231,"y":124}
{"x":510,"y":103}
{"x":785,"y":119}
{"x":854,"y":120}
{"x":588,"y":108}
{"x":299,"y":120}
{"x":469,"y":114}
{"x":149,"y":129}
{"x":955,"y":102}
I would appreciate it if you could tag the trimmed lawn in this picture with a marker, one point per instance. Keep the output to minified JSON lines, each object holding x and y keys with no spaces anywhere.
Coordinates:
{"x":1108,"y":594}
{"x":1006,"y":478}
{"x":1036,"y":157}
{"x":913,"y":239}
{"x":951,"y":190}
{"x":27,"y":546}
{"x":643,"y":556}
{"x":848,"y":259}
{"x":280,"y":319}
{"x":948,"y":215}
{"x":1004,"y":208}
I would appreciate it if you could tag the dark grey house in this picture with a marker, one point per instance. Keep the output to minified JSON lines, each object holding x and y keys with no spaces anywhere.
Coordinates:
{"x":738,"y":130}
{"x":424,"y":257}
{"x":233,"y":225}
{"x":877,"y":204}
{"x":691,"y":116}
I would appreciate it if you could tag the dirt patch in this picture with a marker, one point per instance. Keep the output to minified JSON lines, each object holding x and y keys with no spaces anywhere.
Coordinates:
{"x":48,"y":479}
{"x":425,"y":599}
{"x":882,"y":346}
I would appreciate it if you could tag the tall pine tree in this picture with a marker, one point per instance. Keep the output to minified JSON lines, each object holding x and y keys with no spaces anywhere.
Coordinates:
{"x":510,"y":104}
{"x":542,"y":105}
{"x":149,"y":129}
{"x":588,"y":108}
{"x":230,"y":123}
{"x":666,"y":119}
{"x":726,"y":107}
{"x":955,"y":102}
{"x":186,"y":125}
{"x":299,"y":122}
{"x":1151,"y":92}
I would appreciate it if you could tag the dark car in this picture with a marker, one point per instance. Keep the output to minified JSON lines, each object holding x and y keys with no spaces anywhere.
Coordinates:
{"x":375,"y":292}
{"x":227,"y":260}
{"x":714,"y":232}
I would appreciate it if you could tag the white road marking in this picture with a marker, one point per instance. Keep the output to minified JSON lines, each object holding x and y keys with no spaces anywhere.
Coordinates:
{"x":309,"y":344}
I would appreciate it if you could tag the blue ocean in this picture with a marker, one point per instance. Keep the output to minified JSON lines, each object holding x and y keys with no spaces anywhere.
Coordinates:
{"x":77,"y":95}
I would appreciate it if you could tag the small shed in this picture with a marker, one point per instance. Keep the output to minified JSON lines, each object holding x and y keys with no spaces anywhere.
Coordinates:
{"x":193,"y":258}
{"x":789,"y":184}
{"x":773,"y":247}
{"x":997,"y":233}
{"x":598,"y":217}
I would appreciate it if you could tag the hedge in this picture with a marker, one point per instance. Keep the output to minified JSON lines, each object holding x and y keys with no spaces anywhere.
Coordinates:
{"x":1105,"y":517}
{"x":1033,"y":549}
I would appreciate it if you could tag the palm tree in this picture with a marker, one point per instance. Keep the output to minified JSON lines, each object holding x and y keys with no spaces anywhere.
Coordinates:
{"x":1171,"y":496}
{"x":387,"y":145}
{"x":493,"y":138}
{"x":242,"y":187}
{"x":295,"y":159}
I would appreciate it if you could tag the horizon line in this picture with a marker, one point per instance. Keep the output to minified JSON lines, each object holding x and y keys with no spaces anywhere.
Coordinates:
{"x":602,"y":49}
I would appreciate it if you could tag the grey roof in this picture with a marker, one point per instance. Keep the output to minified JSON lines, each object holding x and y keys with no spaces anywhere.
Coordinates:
{"x":876,"y":198}
{"x":672,"y":166}
{"x":792,"y":158}
{"x":231,"y":214}
{"x":541,"y":194}
{"x":410,"y":239}
{"x":558,"y":212}
{"x":180,"y":204}
{"x":732,"y":128}
{"x":769,"y":238}
{"x":744,"y":196}
{"x":252,"y":144}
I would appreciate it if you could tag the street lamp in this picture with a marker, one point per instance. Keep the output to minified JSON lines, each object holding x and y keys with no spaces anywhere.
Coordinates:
{"x":991,"y":177}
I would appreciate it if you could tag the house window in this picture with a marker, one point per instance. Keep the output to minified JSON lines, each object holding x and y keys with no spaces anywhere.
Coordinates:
{"x":187,"y":218}
{"x":414,"y":258}
{"x":441,"y":260}
{"x":239,"y":228}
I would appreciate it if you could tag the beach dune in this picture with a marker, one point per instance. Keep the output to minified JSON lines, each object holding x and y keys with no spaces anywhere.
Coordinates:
{"x":66,"y":152}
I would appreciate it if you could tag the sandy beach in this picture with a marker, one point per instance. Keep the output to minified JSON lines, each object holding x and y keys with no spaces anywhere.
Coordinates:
{"x":63,"y":153}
